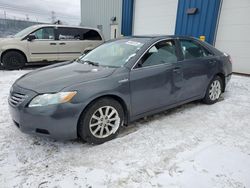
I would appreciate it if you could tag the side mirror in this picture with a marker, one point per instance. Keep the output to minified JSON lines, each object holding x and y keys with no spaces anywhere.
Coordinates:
{"x":139,"y":64}
{"x":86,"y":51}
{"x":31,"y":37}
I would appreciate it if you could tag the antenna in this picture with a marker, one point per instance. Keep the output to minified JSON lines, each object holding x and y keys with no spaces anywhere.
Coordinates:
{"x":53,"y":16}
{"x":27,"y":17}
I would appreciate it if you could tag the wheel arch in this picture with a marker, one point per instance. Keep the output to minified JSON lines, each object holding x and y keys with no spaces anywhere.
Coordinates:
{"x":111,"y":96}
{"x":15,"y":50}
{"x":223,"y":78}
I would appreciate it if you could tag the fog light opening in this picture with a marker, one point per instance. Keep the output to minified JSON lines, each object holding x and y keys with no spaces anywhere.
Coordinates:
{"x":17,"y":124}
{"x":42,"y":131}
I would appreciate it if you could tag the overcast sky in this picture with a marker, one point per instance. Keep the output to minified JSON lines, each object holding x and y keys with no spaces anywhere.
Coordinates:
{"x":40,"y":10}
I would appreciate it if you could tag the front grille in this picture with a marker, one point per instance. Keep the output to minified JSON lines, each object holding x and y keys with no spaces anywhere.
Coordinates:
{"x":16,"y":98}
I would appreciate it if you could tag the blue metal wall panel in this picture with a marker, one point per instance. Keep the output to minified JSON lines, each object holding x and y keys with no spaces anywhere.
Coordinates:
{"x":202,"y":23}
{"x":127,"y":17}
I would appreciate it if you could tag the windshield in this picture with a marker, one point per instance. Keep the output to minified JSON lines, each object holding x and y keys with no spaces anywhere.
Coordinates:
{"x":24,"y":32}
{"x":114,"y":54}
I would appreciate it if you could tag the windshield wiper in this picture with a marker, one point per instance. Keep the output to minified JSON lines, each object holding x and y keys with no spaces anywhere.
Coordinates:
{"x":87,"y":61}
{"x":91,"y":63}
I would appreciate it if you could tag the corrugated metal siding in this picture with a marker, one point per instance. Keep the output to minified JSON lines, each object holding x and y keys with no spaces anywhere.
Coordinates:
{"x":154,"y":17}
{"x":127,"y":17}
{"x":233,"y":34}
{"x":202,"y":23}
{"x":99,"y":12}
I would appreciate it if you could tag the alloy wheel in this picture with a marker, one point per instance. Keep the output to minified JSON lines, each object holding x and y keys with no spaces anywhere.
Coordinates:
{"x":104,"y":122}
{"x":215,"y":90}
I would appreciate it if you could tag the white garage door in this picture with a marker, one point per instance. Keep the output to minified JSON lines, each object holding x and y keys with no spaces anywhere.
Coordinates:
{"x":154,"y":17}
{"x":233,"y":34}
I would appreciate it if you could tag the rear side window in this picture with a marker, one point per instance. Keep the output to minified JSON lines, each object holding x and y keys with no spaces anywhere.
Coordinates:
{"x":65,"y":33}
{"x":191,"y":50}
{"x":91,"y":35}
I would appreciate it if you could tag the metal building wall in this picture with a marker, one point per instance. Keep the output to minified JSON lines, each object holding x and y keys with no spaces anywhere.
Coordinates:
{"x":203,"y":23}
{"x":99,"y":12}
{"x":233,"y":36}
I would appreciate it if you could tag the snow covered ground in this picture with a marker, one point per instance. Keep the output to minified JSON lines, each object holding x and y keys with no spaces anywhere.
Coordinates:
{"x":195,"y":145}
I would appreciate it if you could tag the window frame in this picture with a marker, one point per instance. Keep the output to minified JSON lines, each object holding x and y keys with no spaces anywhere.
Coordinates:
{"x":196,"y":43}
{"x":134,"y":67}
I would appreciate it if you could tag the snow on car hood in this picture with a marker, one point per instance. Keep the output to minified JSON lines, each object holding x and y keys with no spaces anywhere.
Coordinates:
{"x":56,"y":77}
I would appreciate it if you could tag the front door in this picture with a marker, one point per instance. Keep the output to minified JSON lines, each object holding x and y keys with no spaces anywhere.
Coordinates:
{"x":44,"y":47}
{"x":152,"y":80}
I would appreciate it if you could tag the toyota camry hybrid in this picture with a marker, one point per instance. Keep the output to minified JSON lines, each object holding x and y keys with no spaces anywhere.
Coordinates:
{"x":116,"y":83}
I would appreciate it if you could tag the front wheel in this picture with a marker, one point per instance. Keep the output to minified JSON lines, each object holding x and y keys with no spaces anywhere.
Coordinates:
{"x":13,"y":60}
{"x":101,"y":121}
{"x":214,"y":91}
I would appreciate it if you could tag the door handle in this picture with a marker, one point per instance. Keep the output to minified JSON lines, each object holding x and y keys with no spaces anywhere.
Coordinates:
{"x":52,"y":43}
{"x":212,"y":61}
{"x":62,"y":43}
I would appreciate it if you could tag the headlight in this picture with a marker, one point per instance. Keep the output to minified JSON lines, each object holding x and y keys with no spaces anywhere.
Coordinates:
{"x":49,"y":99}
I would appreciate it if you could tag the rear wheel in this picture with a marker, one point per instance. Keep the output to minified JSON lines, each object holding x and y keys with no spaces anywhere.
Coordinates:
{"x":101,"y":121}
{"x":13,"y":60}
{"x":214,"y":91}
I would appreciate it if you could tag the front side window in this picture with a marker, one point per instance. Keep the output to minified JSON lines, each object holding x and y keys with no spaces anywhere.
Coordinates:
{"x":46,"y":33}
{"x":192,"y":50}
{"x":163,"y":52}
{"x":115,"y":54}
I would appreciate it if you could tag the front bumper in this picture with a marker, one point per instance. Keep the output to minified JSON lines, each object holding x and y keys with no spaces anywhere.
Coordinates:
{"x":54,"y":121}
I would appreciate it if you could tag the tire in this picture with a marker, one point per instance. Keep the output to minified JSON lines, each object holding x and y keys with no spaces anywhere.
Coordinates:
{"x":214,"y":91}
{"x":13,"y":60}
{"x":95,"y":128}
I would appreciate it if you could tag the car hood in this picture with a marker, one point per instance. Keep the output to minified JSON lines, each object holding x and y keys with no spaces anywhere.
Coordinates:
{"x":57,"y":77}
{"x":9,"y":40}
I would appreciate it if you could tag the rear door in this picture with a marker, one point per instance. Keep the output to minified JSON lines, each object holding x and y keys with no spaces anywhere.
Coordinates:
{"x":198,"y":67}
{"x":73,"y":41}
{"x":70,"y":45}
{"x":44,"y":47}
{"x":153,"y":78}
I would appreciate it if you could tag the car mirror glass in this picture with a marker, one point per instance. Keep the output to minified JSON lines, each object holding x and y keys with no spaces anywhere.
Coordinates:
{"x":139,"y":64}
{"x":86,"y":51}
{"x":31,"y":37}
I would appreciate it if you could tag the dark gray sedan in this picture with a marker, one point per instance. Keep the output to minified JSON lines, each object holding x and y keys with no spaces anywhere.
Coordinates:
{"x":116,"y":83}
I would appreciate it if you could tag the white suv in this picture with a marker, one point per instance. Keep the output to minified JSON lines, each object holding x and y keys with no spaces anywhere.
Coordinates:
{"x":47,"y":43}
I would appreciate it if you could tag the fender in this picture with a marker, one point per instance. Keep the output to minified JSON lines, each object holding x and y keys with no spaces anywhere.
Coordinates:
{"x":20,"y":48}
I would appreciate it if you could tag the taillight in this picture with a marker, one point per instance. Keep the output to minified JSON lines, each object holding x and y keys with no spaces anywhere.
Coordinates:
{"x":229,"y":57}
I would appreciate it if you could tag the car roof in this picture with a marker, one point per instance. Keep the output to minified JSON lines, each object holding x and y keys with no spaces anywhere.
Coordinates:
{"x":153,"y":38}
{"x":162,"y":36}
{"x":69,"y":26}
